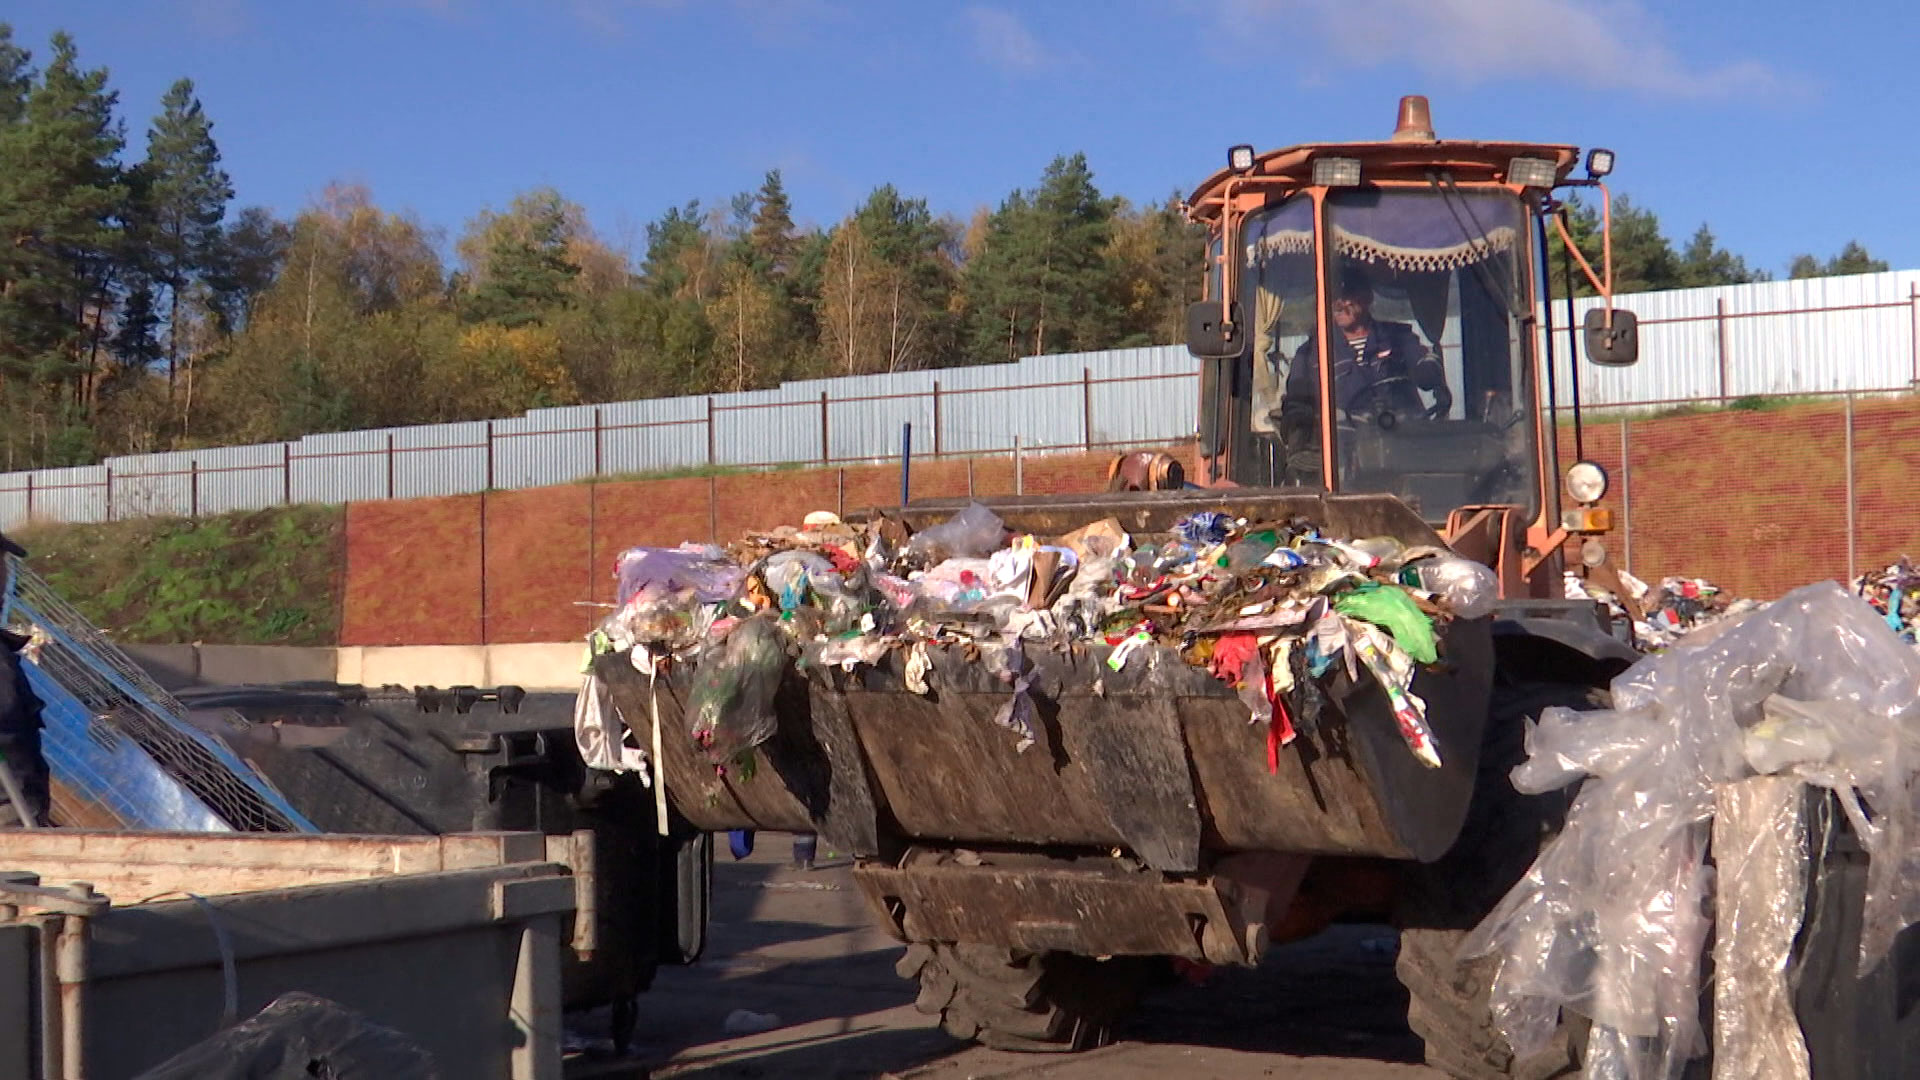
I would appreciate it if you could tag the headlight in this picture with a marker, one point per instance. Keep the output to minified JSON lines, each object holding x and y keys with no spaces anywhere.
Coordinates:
{"x":1586,"y":482}
{"x":1593,"y":553}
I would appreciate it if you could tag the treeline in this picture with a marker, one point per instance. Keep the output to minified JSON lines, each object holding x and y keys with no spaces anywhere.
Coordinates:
{"x":141,"y":311}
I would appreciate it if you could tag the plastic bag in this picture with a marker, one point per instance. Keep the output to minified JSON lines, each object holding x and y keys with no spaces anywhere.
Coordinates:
{"x":732,"y":699}
{"x":1612,"y":918}
{"x":704,"y":570}
{"x":1469,"y":589}
{"x":973,"y":533}
{"x":1389,"y":607}
{"x":298,"y":1037}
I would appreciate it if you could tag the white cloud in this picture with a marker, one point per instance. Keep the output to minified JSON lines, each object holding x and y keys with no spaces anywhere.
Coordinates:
{"x":1003,"y":40}
{"x":1612,"y":45}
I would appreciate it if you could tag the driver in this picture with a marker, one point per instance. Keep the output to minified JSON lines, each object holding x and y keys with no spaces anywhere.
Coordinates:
{"x":1376,"y":365}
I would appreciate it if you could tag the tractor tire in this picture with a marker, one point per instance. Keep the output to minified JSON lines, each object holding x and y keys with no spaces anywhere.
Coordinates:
{"x":1032,"y":1002}
{"x":1442,"y":902}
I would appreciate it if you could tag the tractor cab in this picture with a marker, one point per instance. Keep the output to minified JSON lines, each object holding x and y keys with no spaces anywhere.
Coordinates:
{"x":1372,"y":325}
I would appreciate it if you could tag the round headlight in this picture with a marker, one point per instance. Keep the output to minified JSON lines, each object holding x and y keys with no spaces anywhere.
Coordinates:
{"x":1586,"y":482}
{"x":1593,"y":552}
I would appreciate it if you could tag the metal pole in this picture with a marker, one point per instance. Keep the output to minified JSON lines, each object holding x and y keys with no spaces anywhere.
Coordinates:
{"x":483,"y":568}
{"x":1086,"y":405}
{"x":840,"y":493}
{"x":1913,"y":319}
{"x":1552,"y":360}
{"x":597,"y":469}
{"x":1573,"y":362}
{"x":1720,"y":335}
{"x":1626,"y":496}
{"x":712,"y":440}
{"x":29,"y":500}
{"x":489,"y":484}
{"x":193,"y":488}
{"x":1019,"y":469}
{"x":906,"y":463}
{"x":109,"y":469}
{"x":286,"y":474}
{"x":389,"y":466}
{"x":969,"y":478}
{"x":713,"y":509}
{"x":1853,"y":569}
{"x":937,"y":445}
{"x":825,"y":455}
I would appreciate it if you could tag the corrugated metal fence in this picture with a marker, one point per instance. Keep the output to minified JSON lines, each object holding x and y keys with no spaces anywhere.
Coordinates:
{"x":1825,"y":335}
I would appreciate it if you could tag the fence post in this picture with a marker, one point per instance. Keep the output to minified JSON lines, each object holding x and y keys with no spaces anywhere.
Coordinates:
{"x":29,"y":498}
{"x":969,"y":478}
{"x":1626,"y":495}
{"x":484,"y":639}
{"x":1019,"y":469}
{"x":840,"y":494}
{"x":712,"y":440}
{"x":1720,"y":336}
{"x":489,"y":484}
{"x":389,"y":466}
{"x":109,"y":469}
{"x":825,"y":455}
{"x":286,"y":474}
{"x":597,"y":470}
{"x":713,"y":509}
{"x":193,"y":487}
{"x":1086,"y":405}
{"x":1853,"y":569}
{"x":1913,"y":322}
{"x":938,"y":445}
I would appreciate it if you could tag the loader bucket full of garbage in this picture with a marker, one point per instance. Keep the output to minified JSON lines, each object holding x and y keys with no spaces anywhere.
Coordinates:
{"x":974,"y":681}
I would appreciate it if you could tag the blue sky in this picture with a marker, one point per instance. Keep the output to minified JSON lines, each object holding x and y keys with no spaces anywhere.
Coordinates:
{"x":1784,"y":127}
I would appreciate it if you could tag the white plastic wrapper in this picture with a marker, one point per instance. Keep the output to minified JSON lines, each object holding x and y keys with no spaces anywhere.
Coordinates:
{"x":1611,"y":920}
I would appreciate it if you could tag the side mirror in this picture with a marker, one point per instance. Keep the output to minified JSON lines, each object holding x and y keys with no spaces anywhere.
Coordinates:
{"x":1615,"y":346}
{"x":1207,"y":338}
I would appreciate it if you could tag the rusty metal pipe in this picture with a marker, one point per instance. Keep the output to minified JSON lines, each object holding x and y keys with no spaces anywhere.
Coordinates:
{"x":70,"y":967}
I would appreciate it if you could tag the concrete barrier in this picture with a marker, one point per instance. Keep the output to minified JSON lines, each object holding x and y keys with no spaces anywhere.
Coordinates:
{"x":550,"y":666}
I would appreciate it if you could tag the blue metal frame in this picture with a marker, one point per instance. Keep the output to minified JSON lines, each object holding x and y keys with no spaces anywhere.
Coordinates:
{"x":119,"y":766}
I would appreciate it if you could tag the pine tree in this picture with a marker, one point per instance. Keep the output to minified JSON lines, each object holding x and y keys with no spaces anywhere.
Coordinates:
{"x":183,"y":196}
{"x":248,"y":258}
{"x":770,"y":235}
{"x":1042,"y":281}
{"x":61,"y":198}
{"x":528,"y":270}
{"x":1853,"y":259}
{"x":1705,"y":262}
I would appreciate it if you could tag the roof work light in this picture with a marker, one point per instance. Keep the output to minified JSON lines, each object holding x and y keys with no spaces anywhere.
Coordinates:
{"x":1599,"y":162}
{"x":1240,"y":158}
{"x":1336,"y":172}
{"x":1531,"y":172}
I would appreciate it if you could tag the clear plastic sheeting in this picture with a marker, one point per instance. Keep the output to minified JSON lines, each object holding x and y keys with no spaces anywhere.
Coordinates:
{"x":298,"y":1037}
{"x":1611,"y":920}
{"x":1760,"y":846}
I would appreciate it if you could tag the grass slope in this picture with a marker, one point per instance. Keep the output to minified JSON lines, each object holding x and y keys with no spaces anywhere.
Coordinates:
{"x":261,"y":577}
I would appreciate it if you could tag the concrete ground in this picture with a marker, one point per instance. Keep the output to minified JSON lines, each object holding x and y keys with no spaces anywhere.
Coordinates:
{"x":799,"y":946}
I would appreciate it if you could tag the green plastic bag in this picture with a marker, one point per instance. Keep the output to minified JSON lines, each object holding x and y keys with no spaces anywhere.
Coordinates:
{"x":1395,"y":612}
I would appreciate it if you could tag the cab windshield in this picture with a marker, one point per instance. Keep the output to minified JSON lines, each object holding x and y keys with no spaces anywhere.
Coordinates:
{"x":1432,"y":398}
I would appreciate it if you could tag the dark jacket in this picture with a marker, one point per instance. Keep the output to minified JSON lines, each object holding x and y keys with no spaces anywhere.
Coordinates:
{"x":1393,"y":350}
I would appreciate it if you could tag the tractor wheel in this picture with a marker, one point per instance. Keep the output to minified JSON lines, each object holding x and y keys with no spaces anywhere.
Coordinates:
{"x":1014,"y":1000}
{"x":1442,"y":901}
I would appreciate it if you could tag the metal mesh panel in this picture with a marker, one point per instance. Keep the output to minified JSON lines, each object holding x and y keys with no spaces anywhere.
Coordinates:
{"x":101,"y":705}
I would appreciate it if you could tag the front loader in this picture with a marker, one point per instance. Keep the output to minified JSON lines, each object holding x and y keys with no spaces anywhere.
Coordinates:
{"x":1037,"y":892}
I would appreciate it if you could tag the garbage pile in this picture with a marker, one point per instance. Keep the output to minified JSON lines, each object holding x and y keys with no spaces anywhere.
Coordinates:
{"x":1895,"y":594}
{"x":1664,"y":614}
{"x":1267,"y":607}
{"x":1612,"y":919}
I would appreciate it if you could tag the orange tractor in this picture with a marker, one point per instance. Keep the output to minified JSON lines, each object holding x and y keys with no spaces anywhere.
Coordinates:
{"x":1374,"y":348}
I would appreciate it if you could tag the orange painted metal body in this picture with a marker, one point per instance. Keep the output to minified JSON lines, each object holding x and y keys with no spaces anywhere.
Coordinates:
{"x":1527,"y":555}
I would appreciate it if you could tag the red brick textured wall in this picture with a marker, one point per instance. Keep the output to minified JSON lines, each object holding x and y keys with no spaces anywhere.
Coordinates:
{"x":1754,"y":500}
{"x":414,"y":567}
